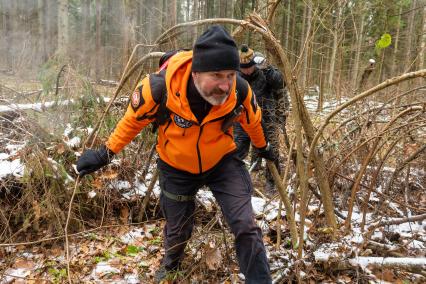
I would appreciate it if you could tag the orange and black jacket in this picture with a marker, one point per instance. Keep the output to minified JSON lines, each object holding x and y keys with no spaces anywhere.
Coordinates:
{"x":183,"y":142}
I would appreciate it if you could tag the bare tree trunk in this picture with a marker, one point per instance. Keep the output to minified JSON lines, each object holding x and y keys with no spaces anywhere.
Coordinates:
{"x":394,"y":68}
{"x":85,"y":32}
{"x":128,"y":25}
{"x":303,"y":34}
{"x":14,"y":41}
{"x":359,"y":39}
{"x":422,"y":63}
{"x":410,"y":33}
{"x":157,"y":16}
{"x":223,"y":5}
{"x":195,"y":16}
{"x":287,"y":28}
{"x":321,"y":85}
{"x":307,"y":48}
{"x":52,"y":27}
{"x":98,"y":39}
{"x":209,"y":8}
{"x":6,"y":38}
{"x":336,"y":37}
{"x":42,"y":30}
{"x":63,"y":28}
{"x":171,"y":18}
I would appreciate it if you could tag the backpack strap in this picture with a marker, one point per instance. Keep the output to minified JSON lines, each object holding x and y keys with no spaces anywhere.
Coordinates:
{"x":159,"y":94}
{"x":241,"y":89}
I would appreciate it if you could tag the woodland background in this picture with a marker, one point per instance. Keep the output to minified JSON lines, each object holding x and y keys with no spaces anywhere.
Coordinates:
{"x":98,"y":36}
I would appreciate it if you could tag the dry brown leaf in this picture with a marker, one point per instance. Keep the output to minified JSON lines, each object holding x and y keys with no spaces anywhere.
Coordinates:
{"x":423,"y":200}
{"x":109,"y":174}
{"x":98,"y":183}
{"x":124,"y":214}
{"x":23,"y":263}
{"x":213,"y":257}
{"x":84,"y":250}
{"x":410,"y":148}
{"x":60,"y":148}
{"x":345,"y":278}
{"x":37,"y":210}
{"x":115,"y":262}
{"x":384,"y":274}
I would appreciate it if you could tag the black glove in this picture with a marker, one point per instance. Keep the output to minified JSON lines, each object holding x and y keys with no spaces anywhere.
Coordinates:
{"x":93,"y":160}
{"x":267,"y":153}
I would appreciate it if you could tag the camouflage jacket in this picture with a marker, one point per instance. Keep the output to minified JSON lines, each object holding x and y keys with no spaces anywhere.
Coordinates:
{"x":271,"y":94}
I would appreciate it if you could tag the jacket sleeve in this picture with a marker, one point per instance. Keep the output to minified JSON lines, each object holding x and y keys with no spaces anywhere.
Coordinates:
{"x":140,"y":112}
{"x":250,"y":119}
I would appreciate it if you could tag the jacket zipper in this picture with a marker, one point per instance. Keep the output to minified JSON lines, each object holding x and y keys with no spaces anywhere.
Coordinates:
{"x":198,"y":149}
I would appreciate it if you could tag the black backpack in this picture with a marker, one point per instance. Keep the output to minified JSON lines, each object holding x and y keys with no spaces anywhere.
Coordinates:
{"x":162,"y":115}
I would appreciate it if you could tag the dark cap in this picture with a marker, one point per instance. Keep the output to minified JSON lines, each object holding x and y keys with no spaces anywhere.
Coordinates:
{"x":215,"y":50}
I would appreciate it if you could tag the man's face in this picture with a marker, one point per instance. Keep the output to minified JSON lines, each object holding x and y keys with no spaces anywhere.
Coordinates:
{"x":247,"y":71}
{"x":214,"y":86}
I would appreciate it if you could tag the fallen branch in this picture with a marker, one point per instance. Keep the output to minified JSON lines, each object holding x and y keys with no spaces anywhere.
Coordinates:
{"x":384,"y":249}
{"x":411,"y":263}
{"x":400,"y":262}
{"x":396,"y":221}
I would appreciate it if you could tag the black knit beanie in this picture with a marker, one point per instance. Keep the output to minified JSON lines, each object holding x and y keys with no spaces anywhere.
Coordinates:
{"x":246,"y":57}
{"x":215,"y":50}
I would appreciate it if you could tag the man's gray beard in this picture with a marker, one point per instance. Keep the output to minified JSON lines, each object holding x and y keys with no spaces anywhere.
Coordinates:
{"x":212,"y":100}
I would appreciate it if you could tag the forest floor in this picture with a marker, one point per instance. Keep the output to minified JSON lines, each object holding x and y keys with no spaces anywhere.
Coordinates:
{"x":112,"y":248}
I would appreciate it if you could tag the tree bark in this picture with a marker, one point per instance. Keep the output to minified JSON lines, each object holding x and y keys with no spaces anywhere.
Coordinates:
{"x":223,"y":7}
{"x":52,"y":27}
{"x":408,"y":47}
{"x":85,"y":31}
{"x":307,"y":45}
{"x":336,"y":38}
{"x":285,"y":39}
{"x":42,"y":30}
{"x":194,"y":17}
{"x":422,"y":63}
{"x":6,"y":39}
{"x":63,"y":28}
{"x":394,"y":67}
{"x":359,"y":40}
{"x":128,"y":29}
{"x":98,"y":40}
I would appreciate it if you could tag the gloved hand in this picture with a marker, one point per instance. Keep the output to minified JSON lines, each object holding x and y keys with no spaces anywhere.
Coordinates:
{"x":267,"y":153}
{"x":93,"y":160}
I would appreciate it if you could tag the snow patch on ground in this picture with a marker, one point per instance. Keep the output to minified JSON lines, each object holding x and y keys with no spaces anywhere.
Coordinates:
{"x":12,"y":274}
{"x":206,"y":197}
{"x":36,"y":106}
{"x":327,"y":251}
{"x":133,"y":235}
{"x":104,"y":268}
{"x":11,"y":167}
{"x":73,"y":142}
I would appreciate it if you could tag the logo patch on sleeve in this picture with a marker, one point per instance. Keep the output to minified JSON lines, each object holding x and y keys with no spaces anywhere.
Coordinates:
{"x":136,"y":99}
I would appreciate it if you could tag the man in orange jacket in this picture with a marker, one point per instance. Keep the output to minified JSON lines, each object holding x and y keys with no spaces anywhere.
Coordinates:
{"x":202,"y":92}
